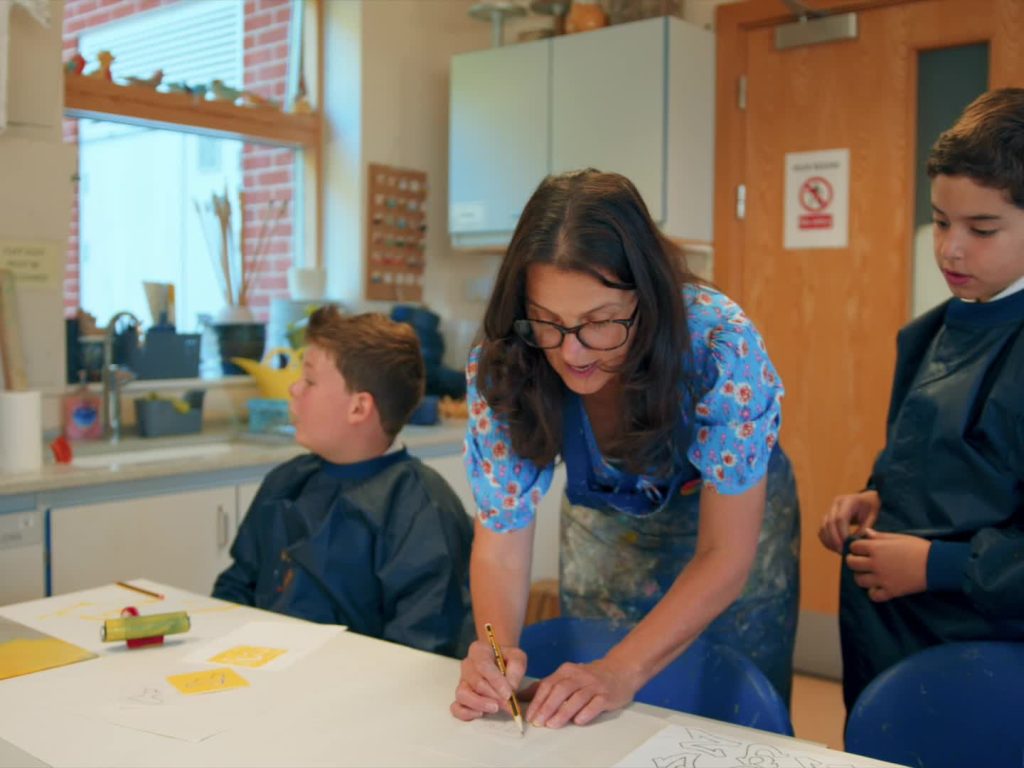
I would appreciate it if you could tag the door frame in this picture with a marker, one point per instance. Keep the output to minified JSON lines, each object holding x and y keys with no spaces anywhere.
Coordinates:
{"x":734,"y":20}
{"x":976,"y":21}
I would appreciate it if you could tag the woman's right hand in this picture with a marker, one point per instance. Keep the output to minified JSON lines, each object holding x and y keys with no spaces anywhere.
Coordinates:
{"x":482,"y":689}
{"x":852,"y":509}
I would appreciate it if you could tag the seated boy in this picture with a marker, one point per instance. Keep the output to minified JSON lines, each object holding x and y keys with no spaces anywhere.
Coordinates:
{"x":940,"y":553}
{"x":357,"y":532}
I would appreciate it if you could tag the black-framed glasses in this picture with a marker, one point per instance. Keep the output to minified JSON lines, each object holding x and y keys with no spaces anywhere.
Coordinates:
{"x":600,"y":335}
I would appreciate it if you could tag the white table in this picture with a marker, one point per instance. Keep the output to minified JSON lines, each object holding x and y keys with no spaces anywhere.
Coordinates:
{"x":354,"y":701}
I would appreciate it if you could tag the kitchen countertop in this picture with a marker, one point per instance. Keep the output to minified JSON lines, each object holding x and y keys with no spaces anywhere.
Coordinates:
{"x":245,"y":450}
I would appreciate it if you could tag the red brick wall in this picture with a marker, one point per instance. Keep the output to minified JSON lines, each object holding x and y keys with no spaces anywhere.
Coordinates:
{"x":267,"y":171}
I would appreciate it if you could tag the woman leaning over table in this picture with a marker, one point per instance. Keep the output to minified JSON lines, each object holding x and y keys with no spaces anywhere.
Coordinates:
{"x":680,"y":514}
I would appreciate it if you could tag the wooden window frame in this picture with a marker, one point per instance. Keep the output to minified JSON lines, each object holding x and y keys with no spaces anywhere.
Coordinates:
{"x":98,"y":99}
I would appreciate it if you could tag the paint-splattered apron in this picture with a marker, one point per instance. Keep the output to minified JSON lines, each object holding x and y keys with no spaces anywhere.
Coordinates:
{"x":622,"y":547}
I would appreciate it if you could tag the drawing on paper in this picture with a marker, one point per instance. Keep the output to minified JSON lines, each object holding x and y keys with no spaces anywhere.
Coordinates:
{"x":681,"y":747}
{"x":99,"y":611}
{"x":148,"y":696}
{"x":208,"y":681}
{"x":247,"y":656}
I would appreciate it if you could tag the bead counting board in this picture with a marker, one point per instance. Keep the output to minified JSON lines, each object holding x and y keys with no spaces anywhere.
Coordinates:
{"x":396,"y":233}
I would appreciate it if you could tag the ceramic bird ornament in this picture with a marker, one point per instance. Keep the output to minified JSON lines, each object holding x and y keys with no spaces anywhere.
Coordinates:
{"x":250,"y":99}
{"x":102,"y":71}
{"x":146,"y":82}
{"x":197,"y":92}
{"x":222,"y":92}
{"x":75,"y":64}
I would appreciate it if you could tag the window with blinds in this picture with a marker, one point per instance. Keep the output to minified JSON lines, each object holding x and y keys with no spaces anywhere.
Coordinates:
{"x":139,"y":186}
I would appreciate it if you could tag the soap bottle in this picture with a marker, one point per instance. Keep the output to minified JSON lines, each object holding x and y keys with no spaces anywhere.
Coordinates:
{"x":82,"y":413}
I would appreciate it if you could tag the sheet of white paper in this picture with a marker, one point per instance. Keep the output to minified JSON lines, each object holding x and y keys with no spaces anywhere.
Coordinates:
{"x":678,"y":746}
{"x":296,"y":639}
{"x":155,"y":706}
{"x":77,"y":617}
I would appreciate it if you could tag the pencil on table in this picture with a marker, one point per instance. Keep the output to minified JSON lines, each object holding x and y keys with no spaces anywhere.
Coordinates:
{"x":132,"y":587}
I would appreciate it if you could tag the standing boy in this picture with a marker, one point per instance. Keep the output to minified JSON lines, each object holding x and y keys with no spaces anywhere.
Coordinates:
{"x":940,"y":553}
{"x":357,"y":532}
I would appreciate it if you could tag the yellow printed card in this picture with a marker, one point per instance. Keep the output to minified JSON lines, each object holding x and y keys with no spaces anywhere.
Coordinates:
{"x":247,"y":656}
{"x":209,"y":681}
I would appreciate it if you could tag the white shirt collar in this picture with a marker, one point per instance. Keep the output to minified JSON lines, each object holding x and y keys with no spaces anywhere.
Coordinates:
{"x":1012,"y":288}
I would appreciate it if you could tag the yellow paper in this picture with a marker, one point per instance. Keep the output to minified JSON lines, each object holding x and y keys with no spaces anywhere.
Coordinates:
{"x":247,"y":656}
{"x":24,"y":655}
{"x":209,"y":681}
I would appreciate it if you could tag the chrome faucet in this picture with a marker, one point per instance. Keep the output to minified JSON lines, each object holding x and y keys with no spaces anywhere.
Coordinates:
{"x":114,"y":376}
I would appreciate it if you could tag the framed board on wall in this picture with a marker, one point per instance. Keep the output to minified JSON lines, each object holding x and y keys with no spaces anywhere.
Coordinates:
{"x":396,"y":230}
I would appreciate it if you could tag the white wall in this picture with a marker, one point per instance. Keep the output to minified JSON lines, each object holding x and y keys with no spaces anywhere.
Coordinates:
{"x":35,"y":198}
{"x":396,"y":56}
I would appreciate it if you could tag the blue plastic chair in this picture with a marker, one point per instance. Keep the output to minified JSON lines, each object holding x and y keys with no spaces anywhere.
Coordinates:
{"x":952,"y":705}
{"x":709,"y":680}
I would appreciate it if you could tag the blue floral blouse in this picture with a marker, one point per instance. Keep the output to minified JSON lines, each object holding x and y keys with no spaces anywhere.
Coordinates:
{"x":737,"y":419}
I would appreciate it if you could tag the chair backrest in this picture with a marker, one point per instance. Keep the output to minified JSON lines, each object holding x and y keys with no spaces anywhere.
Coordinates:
{"x":952,"y":705}
{"x":709,"y":680}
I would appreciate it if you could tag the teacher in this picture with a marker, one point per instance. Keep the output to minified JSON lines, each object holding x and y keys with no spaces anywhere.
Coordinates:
{"x":680,"y":513}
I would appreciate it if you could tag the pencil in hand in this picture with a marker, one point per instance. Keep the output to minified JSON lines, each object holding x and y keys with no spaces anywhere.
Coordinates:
{"x":499,"y":659}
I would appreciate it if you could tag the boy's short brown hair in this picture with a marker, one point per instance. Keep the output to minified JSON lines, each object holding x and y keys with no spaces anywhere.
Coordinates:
{"x":375,"y":355}
{"x":986,"y":144}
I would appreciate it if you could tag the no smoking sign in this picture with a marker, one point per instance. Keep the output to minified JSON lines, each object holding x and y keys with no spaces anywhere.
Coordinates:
{"x":817,"y":199}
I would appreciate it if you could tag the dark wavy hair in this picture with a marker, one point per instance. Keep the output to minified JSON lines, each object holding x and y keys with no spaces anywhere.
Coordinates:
{"x":986,"y":144}
{"x":594,"y":223}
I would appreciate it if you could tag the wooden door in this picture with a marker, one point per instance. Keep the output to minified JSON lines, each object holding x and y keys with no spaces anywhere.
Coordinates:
{"x":830,"y":316}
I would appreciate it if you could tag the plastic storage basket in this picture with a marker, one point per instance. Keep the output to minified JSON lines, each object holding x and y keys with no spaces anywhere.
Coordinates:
{"x":158,"y":418}
{"x":269,"y":416}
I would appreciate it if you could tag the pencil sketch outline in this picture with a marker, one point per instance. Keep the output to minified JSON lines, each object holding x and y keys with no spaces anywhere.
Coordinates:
{"x":703,"y":749}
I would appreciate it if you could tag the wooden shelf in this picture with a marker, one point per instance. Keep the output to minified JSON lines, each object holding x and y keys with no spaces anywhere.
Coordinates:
{"x":98,"y":99}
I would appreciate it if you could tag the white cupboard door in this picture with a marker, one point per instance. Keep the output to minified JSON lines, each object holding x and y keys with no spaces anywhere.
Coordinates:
{"x":453,"y":470}
{"x":498,"y":138}
{"x":179,"y":539}
{"x":245,"y":493}
{"x":608,"y":105}
{"x":21,"y":556}
{"x":545,"y":537}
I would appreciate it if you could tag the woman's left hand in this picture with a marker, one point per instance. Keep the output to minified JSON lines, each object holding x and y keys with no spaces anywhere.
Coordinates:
{"x":889,"y":565}
{"x":578,"y":693}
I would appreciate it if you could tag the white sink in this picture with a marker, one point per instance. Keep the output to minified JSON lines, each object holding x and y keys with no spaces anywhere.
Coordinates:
{"x":150,"y":455}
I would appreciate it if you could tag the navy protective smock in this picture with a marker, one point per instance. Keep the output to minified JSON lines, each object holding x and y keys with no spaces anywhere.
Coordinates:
{"x":380,"y":546}
{"x":952,"y":472}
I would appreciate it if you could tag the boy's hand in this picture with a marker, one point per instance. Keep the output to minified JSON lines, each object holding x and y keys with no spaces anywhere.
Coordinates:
{"x":482,"y":688}
{"x":889,"y":565}
{"x":855,"y":508}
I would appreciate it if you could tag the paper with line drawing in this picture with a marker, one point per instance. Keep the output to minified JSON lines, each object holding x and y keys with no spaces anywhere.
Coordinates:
{"x":682,"y":747}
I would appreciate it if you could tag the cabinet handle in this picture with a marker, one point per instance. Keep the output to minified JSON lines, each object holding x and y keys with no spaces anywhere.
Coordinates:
{"x":222,"y":526}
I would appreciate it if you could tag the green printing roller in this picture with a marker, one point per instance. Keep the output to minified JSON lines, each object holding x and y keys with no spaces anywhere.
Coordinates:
{"x":136,"y":627}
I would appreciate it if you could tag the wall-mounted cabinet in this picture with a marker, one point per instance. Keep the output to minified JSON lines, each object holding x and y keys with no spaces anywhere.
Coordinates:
{"x":634,"y":98}
{"x":498,"y":135}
